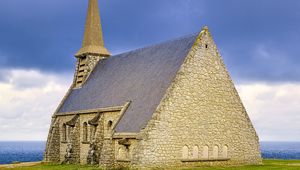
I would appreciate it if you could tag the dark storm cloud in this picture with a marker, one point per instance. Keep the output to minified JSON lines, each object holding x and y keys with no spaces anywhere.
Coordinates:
{"x":259,"y":40}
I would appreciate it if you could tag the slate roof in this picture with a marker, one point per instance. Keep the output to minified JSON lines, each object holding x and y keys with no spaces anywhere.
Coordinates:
{"x":141,"y":76}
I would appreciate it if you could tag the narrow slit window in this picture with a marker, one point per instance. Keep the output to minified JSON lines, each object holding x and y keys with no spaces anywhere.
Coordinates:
{"x":64,"y":132}
{"x":85,"y":132}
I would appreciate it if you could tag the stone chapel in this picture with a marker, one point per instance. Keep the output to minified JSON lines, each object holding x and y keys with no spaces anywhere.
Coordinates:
{"x":169,"y":105}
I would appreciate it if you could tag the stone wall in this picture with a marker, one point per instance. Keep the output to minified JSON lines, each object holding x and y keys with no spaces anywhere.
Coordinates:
{"x":52,"y":150}
{"x":75,"y":140}
{"x":124,"y":154}
{"x":107,"y":156}
{"x":57,"y":145}
{"x":85,"y":145}
{"x":201,"y":109}
{"x":73,"y":136}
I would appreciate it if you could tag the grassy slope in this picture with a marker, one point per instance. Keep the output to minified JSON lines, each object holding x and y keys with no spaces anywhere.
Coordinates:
{"x":268,"y":165}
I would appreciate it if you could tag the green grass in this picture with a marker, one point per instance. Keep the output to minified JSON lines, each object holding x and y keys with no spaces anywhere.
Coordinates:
{"x":267,"y":165}
{"x":54,"y":167}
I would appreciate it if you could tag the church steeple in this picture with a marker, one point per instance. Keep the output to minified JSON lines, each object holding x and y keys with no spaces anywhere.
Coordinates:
{"x":93,"y":39}
{"x":92,"y":50}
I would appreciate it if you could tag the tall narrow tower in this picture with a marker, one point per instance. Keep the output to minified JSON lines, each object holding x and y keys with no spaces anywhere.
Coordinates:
{"x":92,"y":50}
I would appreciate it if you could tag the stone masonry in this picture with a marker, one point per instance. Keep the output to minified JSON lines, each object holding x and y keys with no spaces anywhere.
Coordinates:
{"x":201,"y":108}
{"x":200,"y":121}
{"x":196,"y":117}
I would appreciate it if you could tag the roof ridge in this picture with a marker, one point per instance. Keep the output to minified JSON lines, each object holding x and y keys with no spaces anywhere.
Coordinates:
{"x":158,"y":44}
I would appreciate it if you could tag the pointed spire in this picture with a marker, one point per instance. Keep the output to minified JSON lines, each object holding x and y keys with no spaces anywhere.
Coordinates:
{"x":205,"y":28}
{"x":93,"y":39}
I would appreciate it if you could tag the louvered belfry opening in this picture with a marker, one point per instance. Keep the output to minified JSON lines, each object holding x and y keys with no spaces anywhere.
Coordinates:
{"x":92,"y":50}
{"x":81,"y":71}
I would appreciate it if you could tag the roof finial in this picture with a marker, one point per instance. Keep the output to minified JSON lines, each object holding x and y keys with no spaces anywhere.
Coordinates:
{"x":93,"y":39}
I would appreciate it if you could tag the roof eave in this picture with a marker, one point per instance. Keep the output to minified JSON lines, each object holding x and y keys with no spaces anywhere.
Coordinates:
{"x":93,"y":50}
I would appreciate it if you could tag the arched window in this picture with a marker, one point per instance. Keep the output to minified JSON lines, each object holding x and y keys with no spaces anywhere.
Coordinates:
{"x":195,"y":152}
{"x":216,"y":151}
{"x":85,"y":132}
{"x":64,"y":132}
{"x":185,"y":152}
{"x":109,"y":125}
{"x":225,"y":151}
{"x":205,"y":152}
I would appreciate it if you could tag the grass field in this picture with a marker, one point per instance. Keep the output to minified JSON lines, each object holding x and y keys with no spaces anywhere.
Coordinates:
{"x":267,"y":165}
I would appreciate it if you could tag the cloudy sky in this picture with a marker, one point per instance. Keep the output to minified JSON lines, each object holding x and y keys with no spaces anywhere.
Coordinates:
{"x":258,"y":39}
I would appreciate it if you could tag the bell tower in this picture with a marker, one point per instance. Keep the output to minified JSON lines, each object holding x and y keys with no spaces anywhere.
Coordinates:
{"x":92,"y":50}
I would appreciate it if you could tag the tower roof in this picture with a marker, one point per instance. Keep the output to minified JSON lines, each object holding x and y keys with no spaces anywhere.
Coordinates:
{"x":93,"y":39}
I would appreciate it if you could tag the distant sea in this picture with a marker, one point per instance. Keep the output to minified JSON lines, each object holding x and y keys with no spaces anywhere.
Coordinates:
{"x":33,"y":151}
{"x":280,"y":150}
{"x":21,"y":152}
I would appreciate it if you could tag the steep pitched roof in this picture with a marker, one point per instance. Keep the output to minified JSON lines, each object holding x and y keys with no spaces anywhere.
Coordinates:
{"x":141,"y":76}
